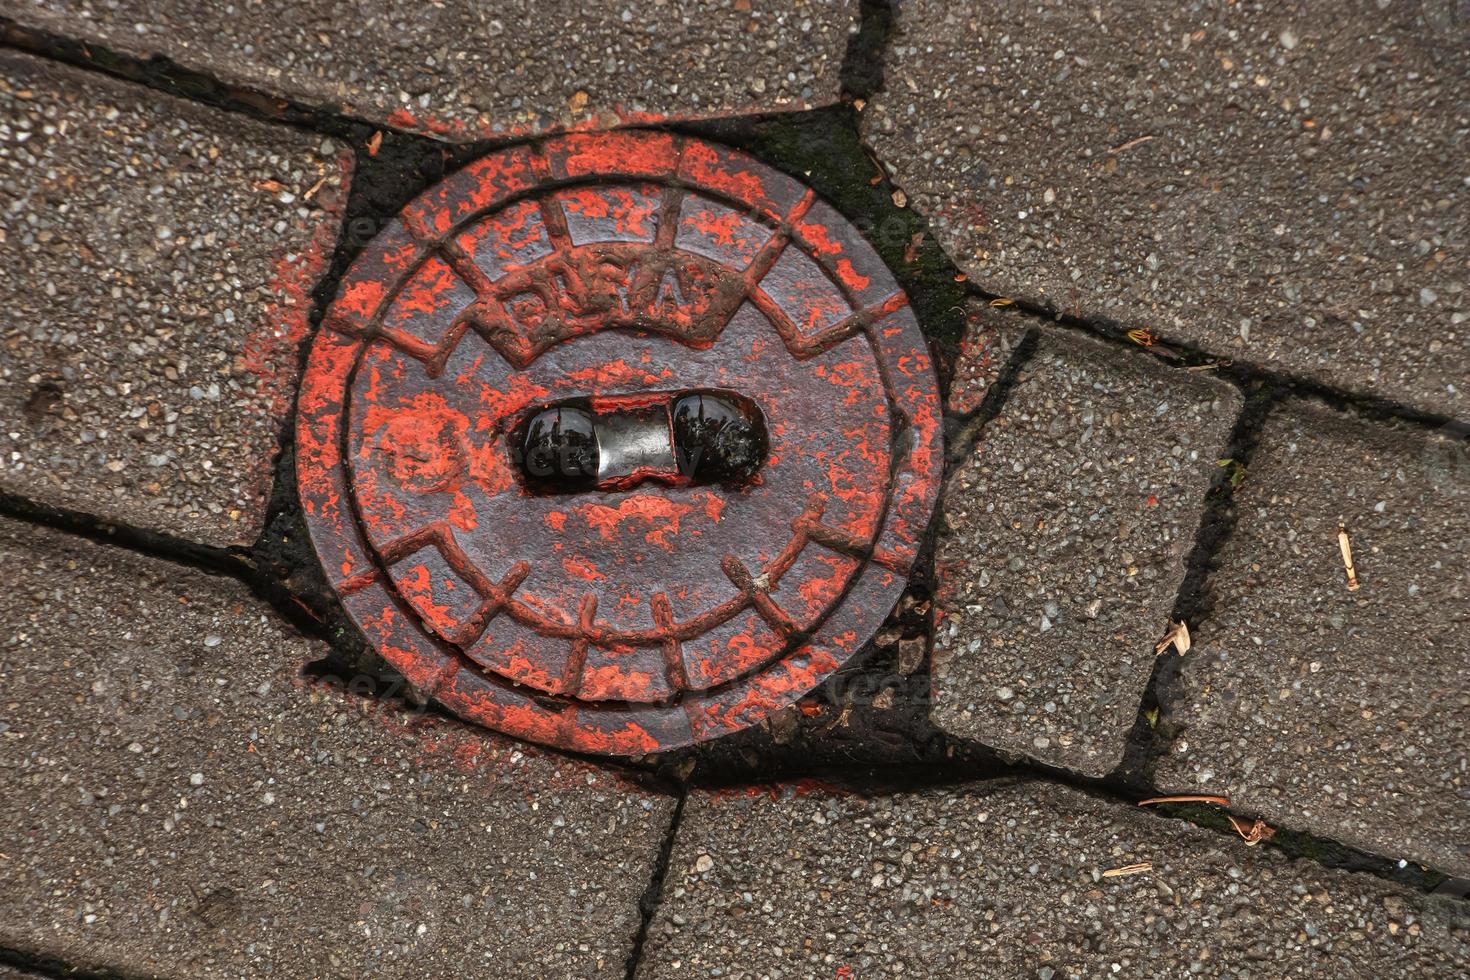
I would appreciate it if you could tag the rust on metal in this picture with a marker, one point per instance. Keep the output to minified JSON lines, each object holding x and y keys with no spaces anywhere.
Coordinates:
{"x":618,"y":442}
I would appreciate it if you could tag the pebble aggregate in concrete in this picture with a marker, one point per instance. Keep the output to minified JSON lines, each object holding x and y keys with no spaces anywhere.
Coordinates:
{"x":180,"y":801}
{"x":1062,"y":547}
{"x":156,"y":267}
{"x":1344,"y":713}
{"x":468,"y":69}
{"x":1005,"y":879}
{"x":1278,"y":183}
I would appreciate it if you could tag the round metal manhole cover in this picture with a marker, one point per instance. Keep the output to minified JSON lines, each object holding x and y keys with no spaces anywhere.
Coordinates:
{"x":618,"y":442}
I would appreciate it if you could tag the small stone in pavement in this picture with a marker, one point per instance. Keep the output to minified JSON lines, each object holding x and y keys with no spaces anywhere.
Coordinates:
{"x":991,"y":337}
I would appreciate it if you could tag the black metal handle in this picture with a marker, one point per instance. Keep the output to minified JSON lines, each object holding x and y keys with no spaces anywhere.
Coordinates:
{"x":678,"y":438}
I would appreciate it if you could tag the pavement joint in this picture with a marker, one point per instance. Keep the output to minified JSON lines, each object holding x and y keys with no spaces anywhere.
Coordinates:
{"x":162,"y":75}
{"x":1242,"y":374}
{"x":1146,"y":742}
{"x":649,"y":902}
{"x":968,"y":429}
{"x":964,"y":768}
{"x":703,"y":63}
{"x":42,"y":965}
{"x":862,"y":65}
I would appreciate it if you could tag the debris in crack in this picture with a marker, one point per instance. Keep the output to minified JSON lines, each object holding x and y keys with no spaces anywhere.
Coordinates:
{"x":1186,"y":798}
{"x":1252,"y":831}
{"x":1177,"y":637}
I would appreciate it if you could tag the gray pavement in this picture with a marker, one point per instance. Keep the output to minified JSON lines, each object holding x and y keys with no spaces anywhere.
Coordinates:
{"x":1342,"y":712}
{"x":1007,"y":879}
{"x":464,"y":70}
{"x":156,"y":269}
{"x":180,"y":802}
{"x":1283,"y":184}
{"x":1062,"y":545}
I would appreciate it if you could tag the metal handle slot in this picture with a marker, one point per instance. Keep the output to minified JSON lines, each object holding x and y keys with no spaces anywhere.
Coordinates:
{"x":683,"y":438}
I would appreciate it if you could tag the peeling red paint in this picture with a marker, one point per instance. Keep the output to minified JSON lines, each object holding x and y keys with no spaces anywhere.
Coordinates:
{"x":644,"y":616}
{"x":658,"y":512}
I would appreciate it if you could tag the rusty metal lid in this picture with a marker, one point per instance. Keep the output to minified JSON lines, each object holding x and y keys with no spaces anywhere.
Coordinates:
{"x":618,"y":442}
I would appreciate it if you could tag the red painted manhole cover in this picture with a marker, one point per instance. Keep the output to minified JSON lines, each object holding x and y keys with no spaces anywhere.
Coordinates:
{"x":618,"y":443}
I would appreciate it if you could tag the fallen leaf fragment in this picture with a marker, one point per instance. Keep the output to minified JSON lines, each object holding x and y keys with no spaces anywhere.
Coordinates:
{"x":911,"y":251}
{"x":1149,"y":340}
{"x":274,"y":186}
{"x":1178,"y":637}
{"x":1002,"y":301}
{"x":1128,"y":869}
{"x":1187,"y":798}
{"x":1236,"y":468}
{"x":1346,"y":547}
{"x":374,"y":141}
{"x":1252,"y":831}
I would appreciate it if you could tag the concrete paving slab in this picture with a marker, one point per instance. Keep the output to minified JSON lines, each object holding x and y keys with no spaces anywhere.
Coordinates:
{"x":1345,"y":713}
{"x":180,"y":802}
{"x":464,"y":70}
{"x":1006,"y":879}
{"x":1063,"y":545}
{"x":156,"y":270}
{"x":1279,"y":183}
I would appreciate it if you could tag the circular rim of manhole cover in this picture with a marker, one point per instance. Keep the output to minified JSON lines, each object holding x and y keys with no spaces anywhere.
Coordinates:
{"x":619,"y":621}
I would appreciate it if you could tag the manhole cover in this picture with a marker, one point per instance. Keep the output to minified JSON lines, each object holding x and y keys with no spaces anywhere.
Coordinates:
{"x":618,"y":443}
